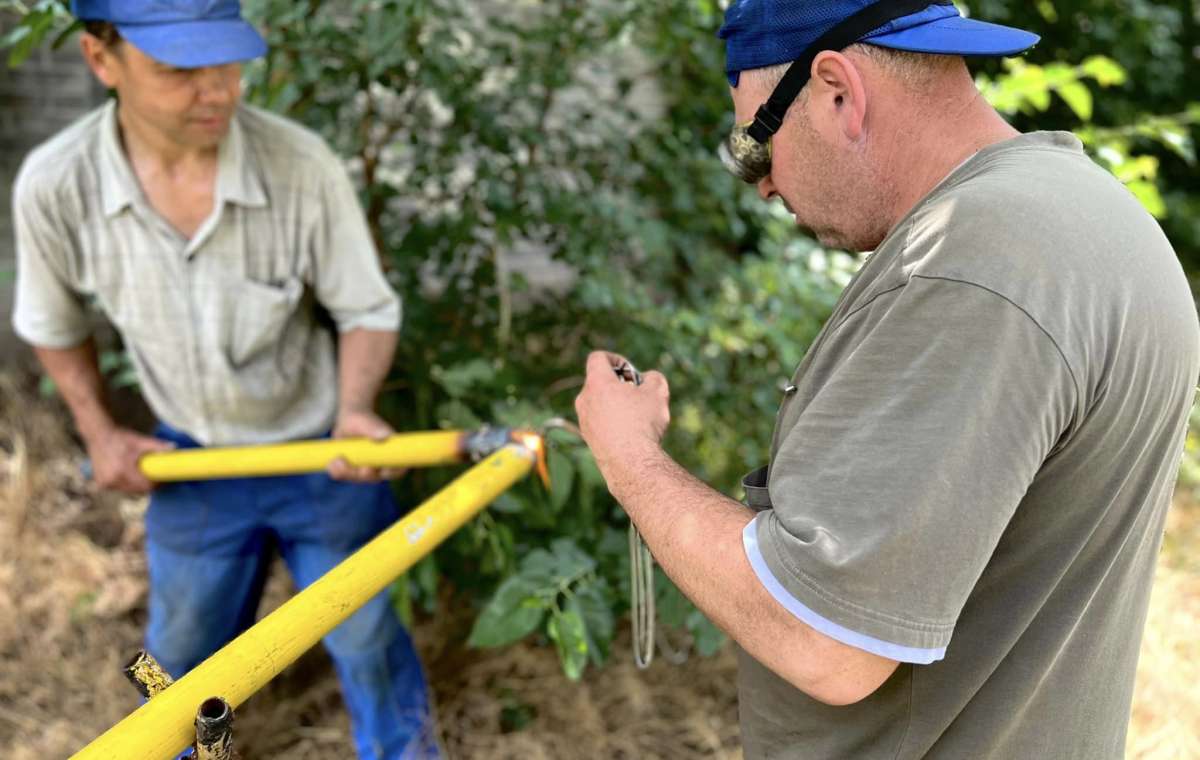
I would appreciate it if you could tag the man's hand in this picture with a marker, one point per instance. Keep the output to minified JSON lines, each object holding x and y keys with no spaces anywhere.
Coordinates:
{"x":619,"y":419}
{"x":361,"y":423}
{"x":115,"y":454}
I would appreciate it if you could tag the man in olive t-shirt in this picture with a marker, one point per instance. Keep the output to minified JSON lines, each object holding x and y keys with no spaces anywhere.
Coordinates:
{"x":951,"y":551}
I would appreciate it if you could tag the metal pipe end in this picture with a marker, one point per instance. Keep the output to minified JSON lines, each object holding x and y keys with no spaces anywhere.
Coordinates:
{"x":487,"y":440}
{"x":482,"y":443}
{"x":146,"y":675}
{"x":214,"y":730}
{"x":214,"y":711}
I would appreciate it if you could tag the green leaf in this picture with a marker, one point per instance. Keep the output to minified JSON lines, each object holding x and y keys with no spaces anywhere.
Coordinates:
{"x":26,"y":37}
{"x":570,"y":639}
{"x":126,"y":377}
{"x":571,"y":561}
{"x":1038,"y":98}
{"x":401,"y":598}
{"x":562,"y":477}
{"x":591,"y":601}
{"x":507,"y":504}
{"x":540,"y":568}
{"x":459,"y":379}
{"x":21,"y":45}
{"x":1174,"y":136}
{"x":500,"y":557}
{"x":589,"y":474}
{"x":110,"y":361}
{"x":518,"y":413}
{"x":66,"y":34}
{"x":1150,"y":197}
{"x":1079,"y":98}
{"x":455,"y":415}
{"x":426,"y":575}
{"x":1104,"y":70}
{"x":515,"y":611}
{"x":15,"y":35}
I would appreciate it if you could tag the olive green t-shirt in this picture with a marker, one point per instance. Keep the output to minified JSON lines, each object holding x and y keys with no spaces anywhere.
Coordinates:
{"x":972,"y":466}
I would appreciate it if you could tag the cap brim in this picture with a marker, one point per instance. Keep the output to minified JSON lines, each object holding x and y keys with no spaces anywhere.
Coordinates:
{"x":958,"y":36}
{"x":194,"y":44}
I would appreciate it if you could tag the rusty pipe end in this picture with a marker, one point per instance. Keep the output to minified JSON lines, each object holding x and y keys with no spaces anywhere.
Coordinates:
{"x":146,"y":675}
{"x":214,"y":730}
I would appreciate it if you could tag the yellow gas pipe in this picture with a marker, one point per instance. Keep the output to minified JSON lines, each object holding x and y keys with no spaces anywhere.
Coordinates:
{"x":163,"y":726}
{"x":401,"y":450}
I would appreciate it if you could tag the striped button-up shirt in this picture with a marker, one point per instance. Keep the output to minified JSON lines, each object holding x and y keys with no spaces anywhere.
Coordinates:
{"x":222,"y":328}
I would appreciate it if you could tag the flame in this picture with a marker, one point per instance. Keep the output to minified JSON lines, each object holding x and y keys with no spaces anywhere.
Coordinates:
{"x":531,"y":441}
{"x":535,"y":445}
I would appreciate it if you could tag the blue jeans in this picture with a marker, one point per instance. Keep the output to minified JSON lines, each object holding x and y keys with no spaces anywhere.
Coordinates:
{"x":208,"y":542}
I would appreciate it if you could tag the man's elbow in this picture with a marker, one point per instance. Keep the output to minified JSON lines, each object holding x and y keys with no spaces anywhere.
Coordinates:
{"x":840,"y":694}
{"x":843,"y":676}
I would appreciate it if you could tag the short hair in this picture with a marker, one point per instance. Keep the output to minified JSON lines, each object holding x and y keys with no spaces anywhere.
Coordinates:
{"x":915,"y":71}
{"x":105,"y":31}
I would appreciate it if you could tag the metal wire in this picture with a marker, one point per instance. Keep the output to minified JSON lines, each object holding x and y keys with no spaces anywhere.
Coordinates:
{"x":641,"y":598}
{"x":641,"y":564}
{"x":641,"y":570}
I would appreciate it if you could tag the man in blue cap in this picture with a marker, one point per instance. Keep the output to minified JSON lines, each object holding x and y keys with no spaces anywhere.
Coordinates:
{"x":210,"y":232}
{"x":951,"y":551}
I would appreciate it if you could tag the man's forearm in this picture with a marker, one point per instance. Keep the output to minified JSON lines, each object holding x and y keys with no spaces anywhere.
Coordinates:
{"x":76,"y":373}
{"x":364,"y":360}
{"x":695,"y":533}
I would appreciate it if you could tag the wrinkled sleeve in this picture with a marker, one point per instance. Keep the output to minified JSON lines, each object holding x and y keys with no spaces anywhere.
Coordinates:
{"x":347,"y":278}
{"x":47,"y":311}
{"x":895,"y":485}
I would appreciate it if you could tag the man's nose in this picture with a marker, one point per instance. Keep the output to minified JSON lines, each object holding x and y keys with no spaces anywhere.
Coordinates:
{"x":213,"y":84}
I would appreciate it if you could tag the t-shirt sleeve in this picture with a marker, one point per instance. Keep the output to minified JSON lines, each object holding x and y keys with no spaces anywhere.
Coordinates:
{"x":47,"y":310}
{"x":901,"y":473}
{"x":347,"y":278}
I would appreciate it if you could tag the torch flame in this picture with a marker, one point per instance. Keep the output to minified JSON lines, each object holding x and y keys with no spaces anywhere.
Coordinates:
{"x":532,"y":441}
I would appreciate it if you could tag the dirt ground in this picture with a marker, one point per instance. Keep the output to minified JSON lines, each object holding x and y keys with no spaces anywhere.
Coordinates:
{"x":72,"y":605}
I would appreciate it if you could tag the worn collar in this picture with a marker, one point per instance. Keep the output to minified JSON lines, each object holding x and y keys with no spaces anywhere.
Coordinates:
{"x":238,"y":178}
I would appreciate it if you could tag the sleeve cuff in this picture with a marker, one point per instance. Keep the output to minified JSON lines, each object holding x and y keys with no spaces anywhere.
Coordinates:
{"x":822,"y":624}
{"x":51,"y":338}
{"x":386,"y":319}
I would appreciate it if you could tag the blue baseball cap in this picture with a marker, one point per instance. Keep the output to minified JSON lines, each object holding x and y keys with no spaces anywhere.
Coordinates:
{"x":760,"y":33}
{"x":184,"y":33}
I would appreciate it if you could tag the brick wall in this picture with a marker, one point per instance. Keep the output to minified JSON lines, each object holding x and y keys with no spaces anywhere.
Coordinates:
{"x":46,"y":93}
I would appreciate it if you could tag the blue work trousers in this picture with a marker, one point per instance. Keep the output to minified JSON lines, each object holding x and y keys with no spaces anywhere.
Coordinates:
{"x":208,"y":544}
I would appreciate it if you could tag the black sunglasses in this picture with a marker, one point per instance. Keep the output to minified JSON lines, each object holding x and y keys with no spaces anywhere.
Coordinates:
{"x":746,"y":152}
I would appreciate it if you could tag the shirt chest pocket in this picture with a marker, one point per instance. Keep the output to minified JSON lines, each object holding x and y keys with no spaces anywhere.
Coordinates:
{"x":258,"y":316}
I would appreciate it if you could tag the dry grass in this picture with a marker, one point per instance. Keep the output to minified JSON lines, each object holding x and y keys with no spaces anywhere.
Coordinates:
{"x":72,"y":601}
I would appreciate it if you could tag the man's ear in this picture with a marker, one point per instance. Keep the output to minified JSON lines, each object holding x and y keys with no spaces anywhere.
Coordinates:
{"x":101,"y":59}
{"x":838,"y":97}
